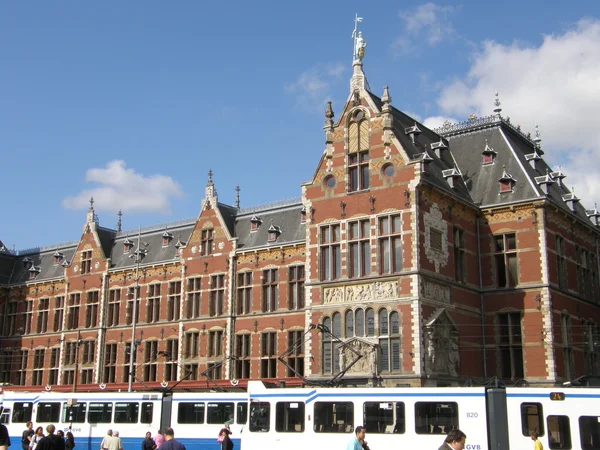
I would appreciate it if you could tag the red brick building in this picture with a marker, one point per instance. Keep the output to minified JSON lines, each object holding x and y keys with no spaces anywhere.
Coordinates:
{"x":434,"y":257}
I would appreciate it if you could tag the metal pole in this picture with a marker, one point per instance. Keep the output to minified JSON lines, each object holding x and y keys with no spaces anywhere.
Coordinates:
{"x":133,"y":347}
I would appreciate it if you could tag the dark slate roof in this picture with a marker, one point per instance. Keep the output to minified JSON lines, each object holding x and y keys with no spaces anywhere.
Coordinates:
{"x":8,"y":263}
{"x":228,"y":213}
{"x":285,"y":215}
{"x":106,"y":237}
{"x":423,"y":142}
{"x":43,"y":260}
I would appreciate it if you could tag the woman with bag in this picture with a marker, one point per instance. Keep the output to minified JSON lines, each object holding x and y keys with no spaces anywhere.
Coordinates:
{"x":39,"y":434}
{"x":226,"y":442}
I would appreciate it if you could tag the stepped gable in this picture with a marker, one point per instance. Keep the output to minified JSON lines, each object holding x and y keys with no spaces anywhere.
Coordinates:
{"x":284,"y":215}
{"x":43,"y":260}
{"x":151,"y":241}
{"x":427,"y":137}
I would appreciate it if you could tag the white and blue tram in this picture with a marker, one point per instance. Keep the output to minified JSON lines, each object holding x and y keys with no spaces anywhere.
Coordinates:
{"x":297,"y":418}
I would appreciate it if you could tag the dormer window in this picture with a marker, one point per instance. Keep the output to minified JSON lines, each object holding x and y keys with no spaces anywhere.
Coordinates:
{"x":571,"y":200}
{"x":489,"y":154}
{"x":273,"y":233}
{"x":424,"y":159}
{"x":413,"y":132}
{"x":255,"y":223}
{"x":439,"y":147}
{"x":593,"y":215}
{"x":533,"y":158}
{"x":507,"y":182}
{"x":545,"y":182}
{"x":303,"y":215}
{"x":127,"y":245}
{"x":33,"y":271}
{"x":452,"y":176}
{"x":166,"y":238}
{"x":558,"y":176}
{"x":178,"y":245}
{"x":27,"y":262}
{"x":58,"y":256}
{"x":65,"y":263}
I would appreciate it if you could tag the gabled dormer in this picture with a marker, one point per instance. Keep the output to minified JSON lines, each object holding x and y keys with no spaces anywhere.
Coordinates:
{"x":452,"y":176}
{"x":558,"y":176}
{"x":413,"y":132}
{"x":127,"y":245}
{"x":545,"y":182}
{"x":58,"y":257}
{"x":166,"y":238}
{"x":179,"y":245}
{"x":439,"y":147}
{"x":593,"y":215}
{"x":273,"y":233}
{"x":255,"y":223}
{"x":27,"y":262}
{"x":489,"y":154}
{"x":424,"y":160}
{"x":507,"y":181}
{"x":33,"y":271}
{"x":533,"y":158}
{"x":571,"y":200}
{"x":303,"y":214}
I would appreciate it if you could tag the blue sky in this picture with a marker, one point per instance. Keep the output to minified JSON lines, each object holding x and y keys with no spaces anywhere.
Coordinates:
{"x":135,"y":101}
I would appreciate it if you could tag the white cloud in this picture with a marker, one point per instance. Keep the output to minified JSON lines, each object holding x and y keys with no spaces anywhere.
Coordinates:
{"x":427,"y":23}
{"x":120,"y":187}
{"x":312,"y":87}
{"x":437,"y":121}
{"x":555,"y":84}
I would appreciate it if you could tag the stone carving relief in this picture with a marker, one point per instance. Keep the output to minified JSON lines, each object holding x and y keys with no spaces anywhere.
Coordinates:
{"x":386,"y":289}
{"x":441,"y":345}
{"x":434,"y":220}
{"x":333,"y":295}
{"x":361,"y":293}
{"x":366,"y":365}
{"x":435,"y":291}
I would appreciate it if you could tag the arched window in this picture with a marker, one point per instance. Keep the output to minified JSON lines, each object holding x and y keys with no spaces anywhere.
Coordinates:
{"x":370,"y":323}
{"x":327,"y":350}
{"x":389,"y":341}
{"x":383,"y":322}
{"x":336,"y":330}
{"x":349,"y":324}
{"x":359,"y":329}
{"x":358,"y":152}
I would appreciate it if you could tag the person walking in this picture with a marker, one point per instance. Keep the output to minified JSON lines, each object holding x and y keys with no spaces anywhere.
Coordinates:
{"x":356,"y":443}
{"x":4,"y":437}
{"x":51,"y":441}
{"x":27,"y":435}
{"x":159,"y":439}
{"x":148,"y":443}
{"x":170,"y":442}
{"x":106,"y":441}
{"x":226,"y":442}
{"x":116,"y":443}
{"x":537,"y":444}
{"x":37,"y":435}
{"x":455,"y":440}
{"x":70,"y":441}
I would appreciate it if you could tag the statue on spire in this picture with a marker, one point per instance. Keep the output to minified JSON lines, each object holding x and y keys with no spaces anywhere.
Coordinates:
{"x":359,"y":42}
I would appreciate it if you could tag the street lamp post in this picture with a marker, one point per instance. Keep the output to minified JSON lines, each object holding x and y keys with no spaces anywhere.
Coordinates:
{"x":137,"y":255}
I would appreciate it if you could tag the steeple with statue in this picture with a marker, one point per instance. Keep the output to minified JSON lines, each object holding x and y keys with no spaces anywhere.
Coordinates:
{"x":358,"y":77}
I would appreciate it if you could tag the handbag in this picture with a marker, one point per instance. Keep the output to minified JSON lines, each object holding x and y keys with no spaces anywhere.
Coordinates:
{"x":220,"y":438}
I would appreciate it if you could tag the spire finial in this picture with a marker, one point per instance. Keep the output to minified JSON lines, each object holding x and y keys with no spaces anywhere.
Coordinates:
{"x":119,"y":214}
{"x":537,"y":139}
{"x":359,"y":42}
{"x":386,"y":95}
{"x":497,"y":108}
{"x":91,"y":203}
{"x":329,"y":115}
{"x":237,"y":197}
{"x":210,"y":174}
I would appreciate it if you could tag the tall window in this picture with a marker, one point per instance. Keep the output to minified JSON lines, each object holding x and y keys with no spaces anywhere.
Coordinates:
{"x":127,"y":359}
{"x":569,"y":357}
{"x":21,"y":374}
{"x":389,"y":341}
{"x":192,"y":344}
{"x":91,"y":309}
{"x":460,"y":261}
{"x":215,"y":343}
{"x":359,"y":235}
{"x":585,"y":277}
{"x":42,"y":318}
{"x":242,"y":353}
{"x":53,"y":368}
{"x":330,"y":353}
{"x":510,"y":345}
{"x":358,"y":157}
{"x":89,"y":352}
{"x":171,"y":355}
{"x":86,"y":262}
{"x":190,"y":371}
{"x":268,"y":353}
{"x":206,"y":242}
{"x":150,"y":364}
{"x":561,"y":265}
{"x":133,"y":299}
{"x":38,"y":367}
{"x":114,"y":307}
{"x":28,"y":317}
{"x":296,"y":287}
{"x":216,"y":304}
{"x":591,"y":357}
{"x":507,"y":273}
{"x":73,"y":311}
{"x":174,"y":300}
{"x":270,"y":289}
{"x":59,"y":308}
{"x":390,"y":244}
{"x":193,"y":297}
{"x":11,"y":319}
{"x":295,"y":342}
{"x":594,"y":288}
{"x":110,"y":363}
{"x":153,"y":303}
{"x":244,"y":293}
{"x":330,"y":252}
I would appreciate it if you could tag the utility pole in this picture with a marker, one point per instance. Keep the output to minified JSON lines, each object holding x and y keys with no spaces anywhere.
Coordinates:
{"x":137,"y":255}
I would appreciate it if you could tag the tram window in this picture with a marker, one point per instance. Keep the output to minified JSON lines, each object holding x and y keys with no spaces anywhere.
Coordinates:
{"x":559,"y":432}
{"x":100,"y":412}
{"x":260,"y":416}
{"x":532,"y":419}
{"x":289,"y":417}
{"x":147,"y":412}
{"x":22,"y":412}
{"x":435,"y":417}
{"x":384,"y":417}
{"x":589,"y":431}
{"x":127,"y":412}
{"x":333,"y":417}
{"x":74,"y":414}
{"x":219,"y":413}
{"x":48,"y":412}
{"x":190,"y":413}
{"x":5,"y":414}
{"x":242,"y":413}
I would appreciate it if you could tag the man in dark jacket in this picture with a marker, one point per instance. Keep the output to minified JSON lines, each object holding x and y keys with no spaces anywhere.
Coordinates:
{"x":455,"y":440}
{"x":148,"y":443}
{"x":51,"y":441}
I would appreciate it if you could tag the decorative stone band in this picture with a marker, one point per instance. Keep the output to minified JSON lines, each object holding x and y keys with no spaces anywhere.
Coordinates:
{"x":359,"y":293}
